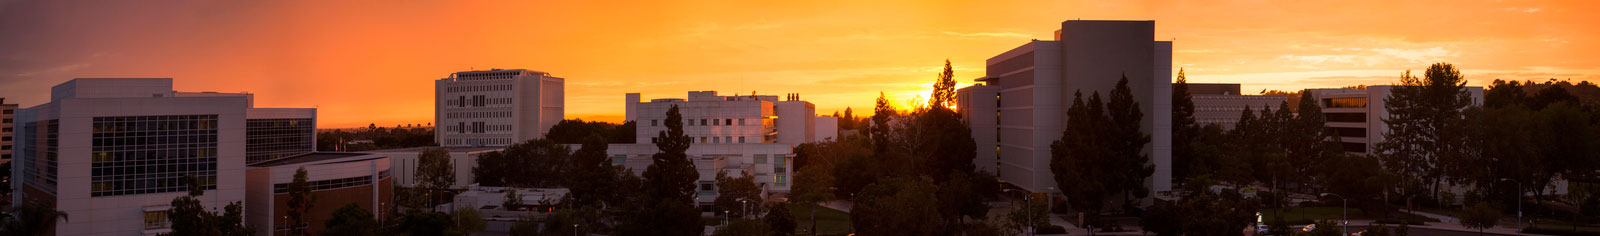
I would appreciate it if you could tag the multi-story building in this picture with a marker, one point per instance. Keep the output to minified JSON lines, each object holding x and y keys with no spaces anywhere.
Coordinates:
{"x":463,"y":159}
{"x":1021,"y":106}
{"x":496,"y":107}
{"x":1222,"y":105}
{"x":7,"y":127}
{"x":335,"y":178}
{"x":1356,"y":115}
{"x":113,"y":153}
{"x":753,"y":134}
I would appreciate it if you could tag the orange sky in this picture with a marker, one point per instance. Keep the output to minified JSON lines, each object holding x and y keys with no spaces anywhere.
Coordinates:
{"x":374,"y":61}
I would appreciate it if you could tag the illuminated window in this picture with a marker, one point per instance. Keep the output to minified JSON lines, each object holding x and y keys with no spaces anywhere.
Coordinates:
{"x":155,"y":219}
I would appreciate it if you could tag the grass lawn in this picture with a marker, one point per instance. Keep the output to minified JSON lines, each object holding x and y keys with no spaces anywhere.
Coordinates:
{"x":829,"y":221}
{"x":1305,"y":215}
{"x":1552,"y":226}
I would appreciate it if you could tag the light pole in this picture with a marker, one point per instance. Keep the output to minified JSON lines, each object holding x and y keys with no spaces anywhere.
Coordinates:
{"x":1344,"y":222}
{"x":1519,"y":203}
{"x":744,"y":209}
{"x":574,"y":229}
{"x":1029,"y":207}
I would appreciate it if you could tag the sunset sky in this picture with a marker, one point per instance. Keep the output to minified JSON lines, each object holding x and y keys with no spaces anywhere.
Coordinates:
{"x":365,"y":62}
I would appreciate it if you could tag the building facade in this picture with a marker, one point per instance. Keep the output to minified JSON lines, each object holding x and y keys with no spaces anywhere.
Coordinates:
{"x":496,"y":107}
{"x":1020,"y":107}
{"x":335,"y":179}
{"x":7,"y":128}
{"x":1222,"y":104}
{"x":113,"y":153}
{"x":1355,"y":115}
{"x":753,"y":134}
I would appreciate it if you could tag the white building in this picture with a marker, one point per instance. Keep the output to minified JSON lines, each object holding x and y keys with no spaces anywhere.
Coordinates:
{"x":1021,"y":106}
{"x":112,"y":152}
{"x":496,"y":107}
{"x":753,"y":134}
{"x":463,"y":159}
{"x":1355,"y":115}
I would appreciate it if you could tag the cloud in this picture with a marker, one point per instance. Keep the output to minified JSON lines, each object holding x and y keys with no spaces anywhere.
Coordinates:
{"x":1425,"y":55}
{"x":989,"y":34}
{"x":1524,"y":9}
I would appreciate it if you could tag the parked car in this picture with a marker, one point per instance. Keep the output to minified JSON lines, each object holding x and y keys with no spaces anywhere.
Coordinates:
{"x":1308,"y":228}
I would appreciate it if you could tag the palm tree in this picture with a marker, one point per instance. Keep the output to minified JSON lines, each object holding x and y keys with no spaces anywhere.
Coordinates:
{"x":32,"y":218}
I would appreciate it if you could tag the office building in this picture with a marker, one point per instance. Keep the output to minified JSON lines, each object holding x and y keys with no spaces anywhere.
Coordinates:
{"x":496,"y":107}
{"x":406,"y":160}
{"x":1020,"y":107}
{"x":112,"y":153}
{"x":738,"y":134}
{"x":7,"y":127}
{"x":1222,"y":105}
{"x":1355,"y":115}
{"x":335,"y":179}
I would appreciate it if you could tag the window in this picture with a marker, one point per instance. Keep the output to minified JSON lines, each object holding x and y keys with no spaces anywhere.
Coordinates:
{"x":653,"y":123}
{"x":708,"y":187}
{"x":728,"y":139}
{"x":777,"y":160}
{"x":716,"y":139}
{"x":702,"y":139}
{"x":619,"y":159}
{"x":7,"y":121}
{"x":761,"y":158}
{"x":1356,"y":102}
{"x":152,"y":154}
{"x":741,"y":121}
{"x":716,"y":122}
{"x":727,"y":121}
{"x":8,"y":111}
{"x":6,"y":138}
{"x":462,"y":100}
{"x":781,"y":180}
{"x":702,"y":122}
{"x":741,"y":139}
{"x":155,"y":219}
{"x":1346,"y":117}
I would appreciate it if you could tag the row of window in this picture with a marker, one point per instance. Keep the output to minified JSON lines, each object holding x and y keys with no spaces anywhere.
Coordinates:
{"x":476,"y":127}
{"x":320,"y":185}
{"x":478,"y":88}
{"x":703,"y":122}
{"x":478,"y":141}
{"x":478,"y":114}
{"x":477,"y":101}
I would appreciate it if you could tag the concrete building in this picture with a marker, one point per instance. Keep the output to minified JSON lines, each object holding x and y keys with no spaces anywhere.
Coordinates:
{"x":7,"y":127}
{"x":112,"y":153}
{"x":1356,"y":115}
{"x":1222,"y":104}
{"x":1032,"y":85}
{"x":753,"y":134}
{"x":496,"y":107}
{"x":462,"y":158}
{"x":335,"y":179}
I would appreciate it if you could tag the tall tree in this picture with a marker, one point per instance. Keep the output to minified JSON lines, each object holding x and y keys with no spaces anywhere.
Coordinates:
{"x":300,"y":201}
{"x":812,"y":186}
{"x":351,"y":220}
{"x":1184,"y":129}
{"x":1425,"y":127}
{"x":882,"y":112}
{"x":1128,"y":142}
{"x":898,"y":206}
{"x":189,"y":217}
{"x":434,"y":174}
{"x":592,"y":178}
{"x":944,"y":89}
{"x":537,"y":163}
{"x":670,"y":181}
{"x":1079,"y":160}
{"x":31,"y":218}
{"x":730,"y":192}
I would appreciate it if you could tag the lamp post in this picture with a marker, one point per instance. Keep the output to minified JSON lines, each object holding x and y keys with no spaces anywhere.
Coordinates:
{"x":1029,"y":207}
{"x":744,"y":209}
{"x":1344,"y":222}
{"x":1519,"y":203}
{"x":574,"y":229}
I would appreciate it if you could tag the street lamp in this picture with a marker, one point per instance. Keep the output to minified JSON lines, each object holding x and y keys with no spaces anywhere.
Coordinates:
{"x":725,"y":218}
{"x":1344,"y":224}
{"x":574,"y":229}
{"x":1519,"y":203}
{"x":1029,"y":207}
{"x":745,"y":209}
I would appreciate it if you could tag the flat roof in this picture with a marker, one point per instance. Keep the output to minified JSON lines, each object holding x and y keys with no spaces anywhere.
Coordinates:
{"x":448,"y":149}
{"x":308,"y":157}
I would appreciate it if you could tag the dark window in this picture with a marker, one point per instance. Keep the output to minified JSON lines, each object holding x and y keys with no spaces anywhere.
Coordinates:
{"x":1346,"y":117}
{"x":152,"y":154}
{"x":270,"y":139}
{"x":1349,"y":132}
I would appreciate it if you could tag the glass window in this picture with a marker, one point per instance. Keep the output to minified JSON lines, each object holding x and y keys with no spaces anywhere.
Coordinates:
{"x":702,"y":122}
{"x":702,"y":139}
{"x":727,"y":121}
{"x":716,"y":122}
{"x":741,"y":121}
{"x":155,"y":219}
{"x":777,"y":160}
{"x":653,"y":122}
{"x":716,"y":139}
{"x":741,"y":139}
{"x":761,"y":159}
